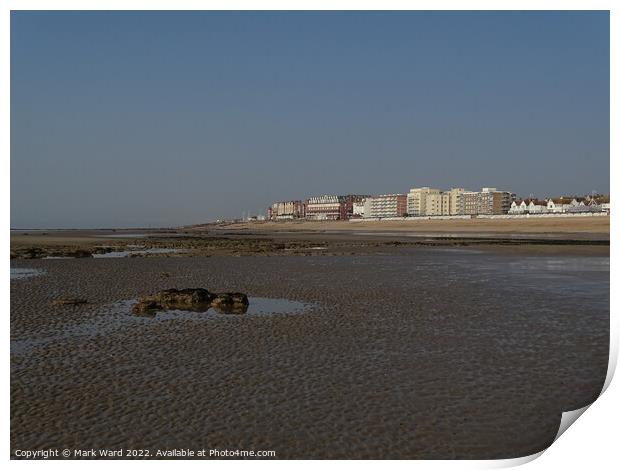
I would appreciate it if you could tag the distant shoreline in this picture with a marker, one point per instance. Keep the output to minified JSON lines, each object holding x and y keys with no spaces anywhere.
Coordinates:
{"x":509,"y":231}
{"x":594,"y":228}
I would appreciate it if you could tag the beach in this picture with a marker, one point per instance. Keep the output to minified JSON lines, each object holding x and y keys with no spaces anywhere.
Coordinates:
{"x":559,"y":227}
{"x":467,"y":349}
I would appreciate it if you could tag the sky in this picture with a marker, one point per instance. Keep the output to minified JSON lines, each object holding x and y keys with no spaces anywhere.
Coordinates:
{"x":153,"y":119}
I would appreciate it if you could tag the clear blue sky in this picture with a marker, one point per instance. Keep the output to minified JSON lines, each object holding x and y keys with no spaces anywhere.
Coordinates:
{"x":122,"y":119}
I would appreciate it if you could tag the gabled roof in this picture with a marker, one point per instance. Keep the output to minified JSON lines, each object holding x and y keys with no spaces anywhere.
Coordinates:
{"x":538,"y":202}
{"x":561,"y":200}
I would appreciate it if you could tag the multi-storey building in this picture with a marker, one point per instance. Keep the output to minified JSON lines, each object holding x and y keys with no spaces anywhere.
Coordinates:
{"x":429,"y":201}
{"x":417,"y":200}
{"x":286,"y":210}
{"x":358,"y":210}
{"x":324,"y":208}
{"x":456,"y":202}
{"x":469,"y":203}
{"x":385,"y":205}
{"x":348,"y":202}
{"x":489,"y":201}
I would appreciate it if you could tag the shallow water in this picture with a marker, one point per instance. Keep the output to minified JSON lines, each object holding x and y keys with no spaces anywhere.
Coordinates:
{"x":126,"y":235}
{"x":125,"y":254}
{"x":24,"y":273}
{"x":118,"y":315}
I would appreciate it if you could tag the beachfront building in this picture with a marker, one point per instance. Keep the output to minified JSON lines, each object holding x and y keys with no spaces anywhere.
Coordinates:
{"x":493,"y":202}
{"x":489,"y":201}
{"x":358,"y":210}
{"x":469,"y":203}
{"x":432,"y":202}
{"x":324,"y":208}
{"x":517,"y":207}
{"x":417,"y":200}
{"x":536,"y":206}
{"x":437,"y":204}
{"x":560,"y":204}
{"x":348,"y":202}
{"x":385,"y":205}
{"x":597,"y":203}
{"x":456,"y":201}
{"x":286,"y":210}
{"x":528,"y":206}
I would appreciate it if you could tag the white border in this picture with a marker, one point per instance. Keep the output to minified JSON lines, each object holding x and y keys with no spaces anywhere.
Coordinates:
{"x":591,"y":442}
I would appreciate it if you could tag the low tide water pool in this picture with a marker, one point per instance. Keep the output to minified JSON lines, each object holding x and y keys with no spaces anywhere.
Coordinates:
{"x":127,"y":253}
{"x":24,"y":273}
{"x":118,"y":316}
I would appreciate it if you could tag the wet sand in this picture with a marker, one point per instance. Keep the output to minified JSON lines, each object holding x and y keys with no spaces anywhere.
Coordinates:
{"x":300,"y":238}
{"x":407,"y":352}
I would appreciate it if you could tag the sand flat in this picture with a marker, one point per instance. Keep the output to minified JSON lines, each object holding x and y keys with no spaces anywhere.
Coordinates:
{"x":413,"y":353}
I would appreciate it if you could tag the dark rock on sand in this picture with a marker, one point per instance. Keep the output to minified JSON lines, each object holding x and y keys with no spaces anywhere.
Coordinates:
{"x":69,"y":301}
{"x":235,"y":309}
{"x":196,"y":299}
{"x":28,"y":253}
{"x":102,"y":250}
{"x":146,"y":308}
{"x":76,"y":254}
{"x":174,"y":299}
{"x":230,"y":303}
{"x":230,"y":298}
{"x":183,"y":297}
{"x":38,"y":253}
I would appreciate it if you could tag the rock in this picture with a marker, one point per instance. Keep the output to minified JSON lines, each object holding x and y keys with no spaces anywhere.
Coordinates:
{"x":68,"y":253}
{"x":234,"y":309}
{"x":77,"y":254}
{"x":147,"y":308}
{"x":101,"y":250}
{"x":234,"y":303}
{"x":69,"y":301}
{"x":30,"y":253}
{"x":197,"y":300}
{"x":230,"y":298}
{"x":173,"y":299}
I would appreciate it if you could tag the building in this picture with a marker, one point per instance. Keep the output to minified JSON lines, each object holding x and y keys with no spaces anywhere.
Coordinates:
{"x":469,"y":202}
{"x":437,"y":204}
{"x":598,"y":203}
{"x":417,"y":199}
{"x":560,"y":204}
{"x":493,"y":202}
{"x":348,"y":202}
{"x":489,"y":201}
{"x":536,"y":206}
{"x":456,"y":202}
{"x":325,"y":208}
{"x":385,"y":205}
{"x":528,"y":206}
{"x":358,"y":210}
{"x":286,"y":210}
{"x":430,"y":201}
